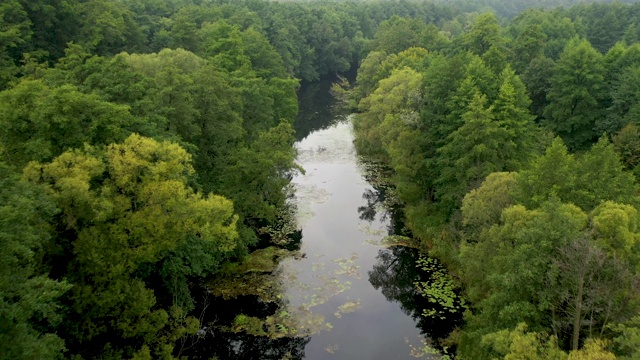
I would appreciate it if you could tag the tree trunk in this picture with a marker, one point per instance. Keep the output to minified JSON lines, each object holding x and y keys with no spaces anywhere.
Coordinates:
{"x":577,"y":316}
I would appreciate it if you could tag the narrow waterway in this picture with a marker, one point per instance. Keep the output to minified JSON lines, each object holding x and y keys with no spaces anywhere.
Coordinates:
{"x":341,"y":295}
{"x":364,"y":291}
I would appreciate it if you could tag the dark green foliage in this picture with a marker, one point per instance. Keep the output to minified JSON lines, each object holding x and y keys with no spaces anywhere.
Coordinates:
{"x":548,"y":241}
{"x":576,"y":95}
{"x":39,"y":122}
{"x":29,"y":300}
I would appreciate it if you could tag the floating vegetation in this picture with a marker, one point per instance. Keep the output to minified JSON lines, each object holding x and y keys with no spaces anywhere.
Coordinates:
{"x":260,"y":275}
{"x":369,"y":230}
{"x":379,"y":176}
{"x":331,"y":349}
{"x":347,"y":307}
{"x":426,"y":351}
{"x":348,"y":266}
{"x":307,"y":195}
{"x":440,"y":289}
{"x":281,"y":324}
{"x":285,"y":225}
{"x":255,"y":275}
{"x":396,"y":240}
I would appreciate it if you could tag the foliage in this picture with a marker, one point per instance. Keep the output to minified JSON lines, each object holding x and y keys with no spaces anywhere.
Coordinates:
{"x":30,"y":300}
{"x":126,"y":116}
{"x":121,"y":208}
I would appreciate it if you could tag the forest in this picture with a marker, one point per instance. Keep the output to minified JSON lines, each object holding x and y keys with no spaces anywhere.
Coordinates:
{"x":146,"y":151}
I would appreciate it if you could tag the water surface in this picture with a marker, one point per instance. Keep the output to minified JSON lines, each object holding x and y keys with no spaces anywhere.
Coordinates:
{"x":341,"y":245}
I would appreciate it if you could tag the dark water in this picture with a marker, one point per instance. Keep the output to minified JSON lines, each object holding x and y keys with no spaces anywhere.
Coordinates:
{"x":351,"y":298}
{"x":343,"y":223}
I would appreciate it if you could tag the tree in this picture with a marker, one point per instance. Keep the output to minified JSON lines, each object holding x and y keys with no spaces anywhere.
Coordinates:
{"x":627,"y":144}
{"x":600,"y":176}
{"x":625,"y":95}
{"x":397,"y":34}
{"x":528,"y":45}
{"x":470,"y":153}
{"x":482,"y":207}
{"x":522,"y":344}
{"x":264,"y":59}
{"x":30,"y":300}
{"x":121,"y":208}
{"x":484,"y":33}
{"x":387,"y":110}
{"x":222,"y":43}
{"x":537,"y":78}
{"x":39,"y":122}
{"x":14,"y":31}
{"x":108,"y":27}
{"x":576,"y":94}
{"x":550,"y":175}
{"x":511,"y":112}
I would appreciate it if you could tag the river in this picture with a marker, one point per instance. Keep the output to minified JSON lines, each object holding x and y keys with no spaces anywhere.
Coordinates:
{"x":343,"y":223}
{"x":345,"y":296}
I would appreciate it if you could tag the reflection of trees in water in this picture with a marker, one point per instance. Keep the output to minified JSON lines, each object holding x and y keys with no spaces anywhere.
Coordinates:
{"x":374,"y":199}
{"x":241,"y":346}
{"x":316,"y":109}
{"x":215,"y":342}
{"x":395,"y":274}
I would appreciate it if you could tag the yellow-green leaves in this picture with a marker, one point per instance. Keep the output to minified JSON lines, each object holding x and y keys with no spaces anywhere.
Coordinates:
{"x":124,"y":208}
{"x":616,"y":229}
{"x":142,"y":160}
{"x":483,"y":206}
{"x":520,"y":344}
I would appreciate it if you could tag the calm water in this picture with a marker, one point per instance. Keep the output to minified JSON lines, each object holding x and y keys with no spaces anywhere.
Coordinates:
{"x":359,"y":296}
{"x":381,"y":319}
{"x":334,"y":238}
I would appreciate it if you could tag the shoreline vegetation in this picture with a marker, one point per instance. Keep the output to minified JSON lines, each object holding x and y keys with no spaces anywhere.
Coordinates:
{"x":146,"y":154}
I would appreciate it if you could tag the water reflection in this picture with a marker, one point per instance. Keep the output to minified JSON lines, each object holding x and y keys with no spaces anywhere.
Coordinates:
{"x":374,"y":318}
{"x":213,"y":340}
{"x":316,"y":106}
{"x":374,"y":199}
{"x":242,"y":346}
{"x":395,"y":275}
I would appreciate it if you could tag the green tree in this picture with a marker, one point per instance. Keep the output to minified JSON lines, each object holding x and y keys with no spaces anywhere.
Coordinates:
{"x":625,"y":96}
{"x":627,"y":144}
{"x":576,"y":94}
{"x":600,"y":176}
{"x":14,"y":31}
{"x":39,"y":122}
{"x":471,"y":153}
{"x":537,"y":78}
{"x":520,"y":344}
{"x":108,"y":27}
{"x":29,"y":300}
{"x":397,"y":34}
{"x":264,"y":59}
{"x":484,"y":34}
{"x":511,"y":112}
{"x":122,"y":208}
{"x":528,"y":45}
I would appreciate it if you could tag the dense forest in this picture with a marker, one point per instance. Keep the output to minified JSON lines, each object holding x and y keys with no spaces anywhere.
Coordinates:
{"x":514,"y":146}
{"x":146,"y":150}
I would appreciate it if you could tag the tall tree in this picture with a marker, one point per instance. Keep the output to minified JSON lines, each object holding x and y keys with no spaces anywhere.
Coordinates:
{"x":576,"y":94}
{"x":30,"y":300}
{"x":470,"y":153}
{"x":122,"y":208}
